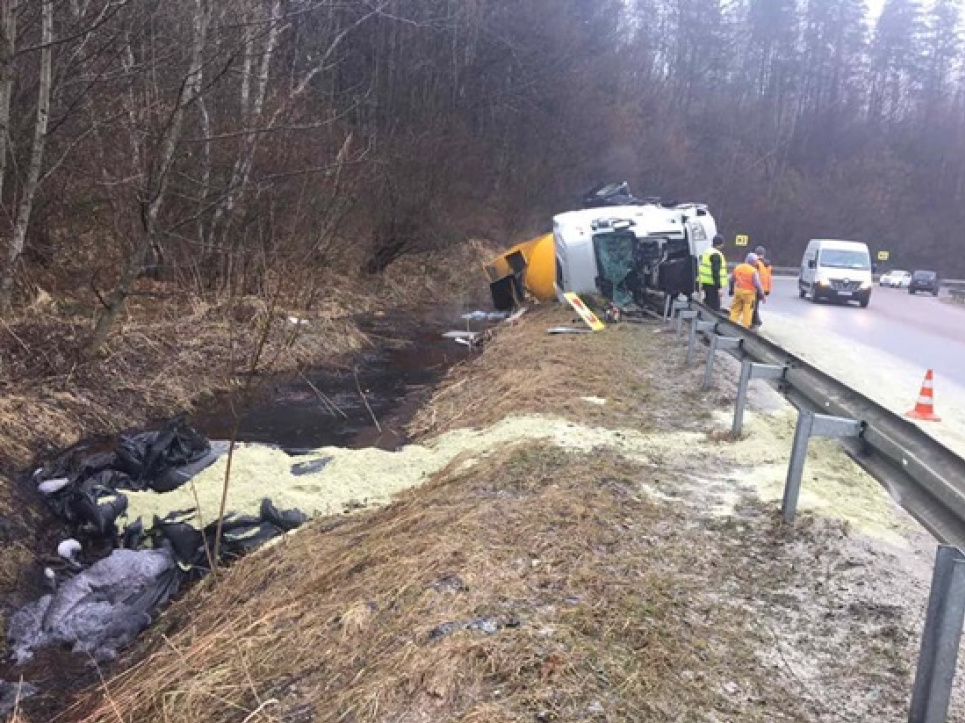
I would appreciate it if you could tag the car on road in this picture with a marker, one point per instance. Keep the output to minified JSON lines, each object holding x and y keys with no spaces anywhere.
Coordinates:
{"x":896,"y":279}
{"x":836,"y":270}
{"x":923,"y":280}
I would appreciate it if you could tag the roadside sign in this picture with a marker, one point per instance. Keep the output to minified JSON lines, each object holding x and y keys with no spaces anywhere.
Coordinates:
{"x":588,"y":316}
{"x":884,"y":255}
{"x":743,"y":240}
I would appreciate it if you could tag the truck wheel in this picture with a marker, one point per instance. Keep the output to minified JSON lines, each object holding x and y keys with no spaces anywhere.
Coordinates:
{"x":801,"y":292}
{"x":864,"y":302}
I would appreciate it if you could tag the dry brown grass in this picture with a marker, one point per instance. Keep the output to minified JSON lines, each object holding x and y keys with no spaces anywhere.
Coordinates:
{"x":152,"y":366}
{"x":580,"y":570}
{"x":438,"y":277}
{"x":166,"y":354}
{"x":636,"y":368}
{"x":609,"y":605}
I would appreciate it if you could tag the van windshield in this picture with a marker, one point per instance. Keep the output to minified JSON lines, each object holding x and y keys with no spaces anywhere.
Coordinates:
{"x":844,"y":259}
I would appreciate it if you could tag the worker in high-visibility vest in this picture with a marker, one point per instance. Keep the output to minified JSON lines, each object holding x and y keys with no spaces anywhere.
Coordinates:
{"x":713,"y":273}
{"x":767,"y":282}
{"x":747,"y":281}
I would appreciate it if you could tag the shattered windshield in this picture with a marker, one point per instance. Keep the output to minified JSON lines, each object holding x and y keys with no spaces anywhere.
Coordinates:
{"x":844,"y":259}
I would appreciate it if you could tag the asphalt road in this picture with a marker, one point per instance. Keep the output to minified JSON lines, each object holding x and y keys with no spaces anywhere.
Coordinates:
{"x":921,"y":330}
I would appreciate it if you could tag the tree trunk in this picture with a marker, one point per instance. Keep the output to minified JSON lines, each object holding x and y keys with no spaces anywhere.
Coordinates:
{"x":8,"y":42}
{"x":252,"y":106}
{"x":15,"y":249}
{"x":155,"y":192}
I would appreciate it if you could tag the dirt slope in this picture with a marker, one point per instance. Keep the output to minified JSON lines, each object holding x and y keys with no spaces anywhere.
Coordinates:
{"x":634,"y":573}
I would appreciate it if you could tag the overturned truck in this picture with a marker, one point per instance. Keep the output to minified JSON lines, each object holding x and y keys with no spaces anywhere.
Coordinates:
{"x":618,"y":246}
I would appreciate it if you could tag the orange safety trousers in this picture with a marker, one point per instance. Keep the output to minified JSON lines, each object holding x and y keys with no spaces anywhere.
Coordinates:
{"x":742,"y":307}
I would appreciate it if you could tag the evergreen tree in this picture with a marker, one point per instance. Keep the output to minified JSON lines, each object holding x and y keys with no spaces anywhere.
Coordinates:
{"x":942,"y":49}
{"x":897,"y":59}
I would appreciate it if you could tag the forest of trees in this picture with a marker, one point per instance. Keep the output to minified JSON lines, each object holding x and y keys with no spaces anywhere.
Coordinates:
{"x":210,"y":141}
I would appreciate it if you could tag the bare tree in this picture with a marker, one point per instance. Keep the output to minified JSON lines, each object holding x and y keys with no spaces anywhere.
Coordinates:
{"x":29,"y":192}
{"x":155,"y":174}
{"x":8,"y":49}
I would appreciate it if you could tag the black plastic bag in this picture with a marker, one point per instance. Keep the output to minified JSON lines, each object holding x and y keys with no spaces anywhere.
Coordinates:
{"x":150,"y":458}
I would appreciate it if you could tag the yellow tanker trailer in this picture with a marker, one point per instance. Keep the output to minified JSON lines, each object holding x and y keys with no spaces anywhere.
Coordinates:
{"x":529,"y":267}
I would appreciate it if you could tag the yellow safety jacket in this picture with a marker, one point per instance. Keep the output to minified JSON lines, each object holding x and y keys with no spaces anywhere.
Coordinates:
{"x":707,"y":268}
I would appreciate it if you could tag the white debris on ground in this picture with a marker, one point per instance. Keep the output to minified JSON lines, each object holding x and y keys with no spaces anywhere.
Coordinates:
{"x":333,"y":480}
{"x":890,"y":381}
{"x":598,"y":401}
{"x":346,"y":479}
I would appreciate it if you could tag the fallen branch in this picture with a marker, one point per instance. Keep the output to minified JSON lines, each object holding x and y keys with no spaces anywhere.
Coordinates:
{"x":324,"y":398}
{"x":358,"y":386}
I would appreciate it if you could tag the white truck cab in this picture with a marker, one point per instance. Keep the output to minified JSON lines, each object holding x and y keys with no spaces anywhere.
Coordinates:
{"x":619,"y":250}
{"x":836,"y":270}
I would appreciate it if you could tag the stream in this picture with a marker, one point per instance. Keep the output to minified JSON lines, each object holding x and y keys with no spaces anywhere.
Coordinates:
{"x":363,"y":403}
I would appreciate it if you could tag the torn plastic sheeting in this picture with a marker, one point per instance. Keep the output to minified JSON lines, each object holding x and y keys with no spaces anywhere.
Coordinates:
{"x":152,"y":459}
{"x":159,"y":460}
{"x":300,"y":469}
{"x":101,"y":609}
{"x":240,"y":534}
{"x":83,"y":485}
{"x":94,"y":503}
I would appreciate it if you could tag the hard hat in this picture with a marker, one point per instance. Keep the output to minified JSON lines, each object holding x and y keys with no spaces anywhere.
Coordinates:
{"x":751,"y":258}
{"x":760,"y":251}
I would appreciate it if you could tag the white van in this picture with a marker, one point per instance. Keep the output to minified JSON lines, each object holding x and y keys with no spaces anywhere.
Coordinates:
{"x":836,"y":270}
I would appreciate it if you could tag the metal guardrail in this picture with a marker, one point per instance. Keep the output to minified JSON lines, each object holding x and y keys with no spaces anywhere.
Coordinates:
{"x":923,"y":475}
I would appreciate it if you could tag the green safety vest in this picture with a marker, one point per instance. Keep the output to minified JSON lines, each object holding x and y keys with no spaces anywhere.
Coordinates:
{"x":707,"y":271}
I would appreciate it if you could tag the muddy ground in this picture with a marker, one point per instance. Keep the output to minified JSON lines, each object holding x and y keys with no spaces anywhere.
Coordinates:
{"x":587,"y":545}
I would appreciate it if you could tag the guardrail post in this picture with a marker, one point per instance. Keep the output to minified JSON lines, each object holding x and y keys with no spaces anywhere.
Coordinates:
{"x":941,"y":638}
{"x":750,"y":370}
{"x":697,"y":326}
{"x":673,"y":306}
{"x":810,"y":425}
{"x":685,"y":315}
{"x":719,"y":342}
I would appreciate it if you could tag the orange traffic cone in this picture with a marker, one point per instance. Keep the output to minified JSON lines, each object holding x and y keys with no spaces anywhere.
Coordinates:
{"x":925,"y":408}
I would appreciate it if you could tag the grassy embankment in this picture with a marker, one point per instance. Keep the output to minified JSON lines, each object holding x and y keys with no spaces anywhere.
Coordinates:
{"x":619,"y":559}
